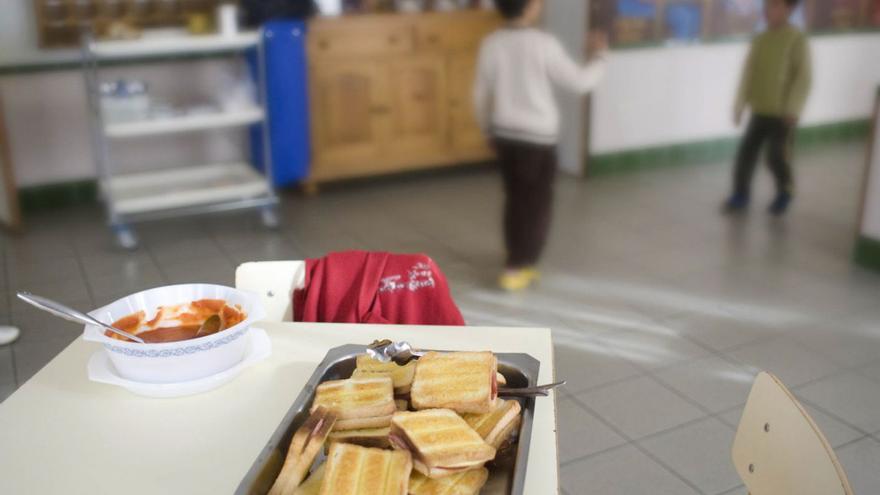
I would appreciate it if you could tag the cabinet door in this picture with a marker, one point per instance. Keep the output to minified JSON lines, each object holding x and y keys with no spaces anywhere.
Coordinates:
{"x":467,"y":137}
{"x":419,"y":119}
{"x":348,"y":103}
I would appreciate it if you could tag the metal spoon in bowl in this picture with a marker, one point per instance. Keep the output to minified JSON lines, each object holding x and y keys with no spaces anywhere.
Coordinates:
{"x":212,"y":325}
{"x":71,"y":314}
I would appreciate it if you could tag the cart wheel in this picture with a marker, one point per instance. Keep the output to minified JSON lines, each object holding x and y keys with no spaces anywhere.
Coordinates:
{"x":269,"y":216}
{"x":125,"y":237}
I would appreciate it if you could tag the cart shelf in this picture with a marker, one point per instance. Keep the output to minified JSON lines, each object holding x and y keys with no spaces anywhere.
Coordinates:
{"x":160,"y":46}
{"x":168,"y":189}
{"x":185,"y":123}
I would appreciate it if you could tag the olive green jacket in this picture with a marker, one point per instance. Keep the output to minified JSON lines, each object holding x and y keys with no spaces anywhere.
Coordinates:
{"x":778,"y":73}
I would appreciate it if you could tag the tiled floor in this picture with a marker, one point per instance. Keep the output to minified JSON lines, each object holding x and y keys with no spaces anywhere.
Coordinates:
{"x":662,"y":310}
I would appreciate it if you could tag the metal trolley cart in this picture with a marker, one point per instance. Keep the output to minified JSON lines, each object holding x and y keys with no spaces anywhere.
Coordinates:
{"x":189,"y":189}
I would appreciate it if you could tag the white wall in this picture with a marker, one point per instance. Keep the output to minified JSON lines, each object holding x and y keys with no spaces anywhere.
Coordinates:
{"x":871,"y":219}
{"x":48,"y":122}
{"x":657,"y":96}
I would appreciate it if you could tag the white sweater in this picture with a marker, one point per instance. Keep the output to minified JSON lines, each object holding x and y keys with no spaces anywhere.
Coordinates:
{"x":513,"y":91}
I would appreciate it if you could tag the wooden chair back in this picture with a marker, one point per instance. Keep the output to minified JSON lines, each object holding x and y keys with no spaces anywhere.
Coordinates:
{"x":779,"y":450}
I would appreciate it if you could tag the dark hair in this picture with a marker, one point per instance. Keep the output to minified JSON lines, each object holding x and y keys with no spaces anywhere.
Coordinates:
{"x":792,"y":3}
{"x":511,"y":9}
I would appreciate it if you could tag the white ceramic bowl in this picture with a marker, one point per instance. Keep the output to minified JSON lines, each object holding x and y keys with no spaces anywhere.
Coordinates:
{"x":174,"y":362}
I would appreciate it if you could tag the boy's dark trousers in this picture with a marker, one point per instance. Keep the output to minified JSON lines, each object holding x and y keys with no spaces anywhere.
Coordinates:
{"x":528,"y":171}
{"x":779,"y":135}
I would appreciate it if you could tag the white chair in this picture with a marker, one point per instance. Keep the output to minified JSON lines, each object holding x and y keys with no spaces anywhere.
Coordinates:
{"x":779,"y":450}
{"x":275,"y":282}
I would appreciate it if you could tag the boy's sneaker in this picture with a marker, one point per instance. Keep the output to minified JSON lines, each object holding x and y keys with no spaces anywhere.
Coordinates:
{"x":735,"y":204}
{"x":513,"y":280}
{"x":780,"y":205}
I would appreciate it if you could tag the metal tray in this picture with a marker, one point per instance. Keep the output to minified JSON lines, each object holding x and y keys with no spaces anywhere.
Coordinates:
{"x":507,"y":473}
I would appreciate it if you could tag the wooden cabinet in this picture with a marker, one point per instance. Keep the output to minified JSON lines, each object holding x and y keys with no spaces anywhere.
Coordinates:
{"x":467,"y":137}
{"x":349,"y":105}
{"x":392,"y":93}
{"x":420,"y":116}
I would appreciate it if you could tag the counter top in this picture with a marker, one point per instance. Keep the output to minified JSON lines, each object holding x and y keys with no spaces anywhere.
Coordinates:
{"x":62,"y":433}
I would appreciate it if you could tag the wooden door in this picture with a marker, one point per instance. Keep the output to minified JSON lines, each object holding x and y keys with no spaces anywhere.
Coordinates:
{"x":466,"y":135}
{"x":349,"y":101}
{"x":419,"y":119}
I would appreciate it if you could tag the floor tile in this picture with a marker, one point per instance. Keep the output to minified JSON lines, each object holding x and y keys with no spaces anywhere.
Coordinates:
{"x":842,"y":341}
{"x":713,"y":382}
{"x":36,"y":325}
{"x":871,"y":370}
{"x":43,"y":272}
{"x":860,"y":461}
{"x":215,"y":270}
{"x":700,"y":452}
{"x":30,"y":357}
{"x":6,"y":391}
{"x":651,"y":347}
{"x":624,"y":405}
{"x":623,"y":471}
{"x":135,"y":279}
{"x":7,"y":366}
{"x":793,"y":364}
{"x":179,"y":251}
{"x":834,"y":430}
{"x":740,"y":490}
{"x":850,"y":396}
{"x":587,"y":364}
{"x":584,"y":434}
{"x":718,"y":331}
{"x":72,"y":291}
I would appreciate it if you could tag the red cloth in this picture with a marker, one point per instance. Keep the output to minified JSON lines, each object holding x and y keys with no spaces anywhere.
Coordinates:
{"x":365,"y":287}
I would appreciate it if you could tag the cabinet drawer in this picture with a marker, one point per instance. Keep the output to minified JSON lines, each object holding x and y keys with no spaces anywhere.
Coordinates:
{"x":455,"y":34}
{"x":366,"y":40}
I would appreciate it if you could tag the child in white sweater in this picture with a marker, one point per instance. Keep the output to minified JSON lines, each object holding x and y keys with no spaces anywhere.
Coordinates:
{"x":513,"y":95}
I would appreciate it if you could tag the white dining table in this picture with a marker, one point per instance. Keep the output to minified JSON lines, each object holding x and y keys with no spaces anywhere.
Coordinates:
{"x":61,"y":433}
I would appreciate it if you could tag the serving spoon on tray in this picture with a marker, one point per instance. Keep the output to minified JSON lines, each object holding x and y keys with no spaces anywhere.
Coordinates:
{"x":70,"y":314}
{"x":388,"y":351}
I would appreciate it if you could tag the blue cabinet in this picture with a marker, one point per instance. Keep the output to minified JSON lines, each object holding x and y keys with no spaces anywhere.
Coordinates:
{"x":287,"y":102}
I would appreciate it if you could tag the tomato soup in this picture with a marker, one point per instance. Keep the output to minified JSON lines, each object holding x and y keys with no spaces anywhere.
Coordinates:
{"x":178,"y":322}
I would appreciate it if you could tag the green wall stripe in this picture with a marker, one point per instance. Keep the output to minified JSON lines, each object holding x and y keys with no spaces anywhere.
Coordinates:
{"x":867,"y":253}
{"x":713,"y":150}
{"x":59,"y":195}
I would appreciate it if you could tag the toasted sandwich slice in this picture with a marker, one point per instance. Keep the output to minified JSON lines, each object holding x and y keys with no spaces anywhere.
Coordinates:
{"x":465,"y":483}
{"x":354,"y":470}
{"x":465,"y":382}
{"x":312,"y":484}
{"x":401,"y":376}
{"x":363,"y":423}
{"x":440,"y":441}
{"x":497,"y":425}
{"x":358,"y":402}
{"x":305,"y":445}
{"x":371,"y":437}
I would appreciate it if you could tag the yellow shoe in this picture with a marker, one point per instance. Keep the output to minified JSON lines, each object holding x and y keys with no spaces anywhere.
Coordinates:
{"x":519,"y":279}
